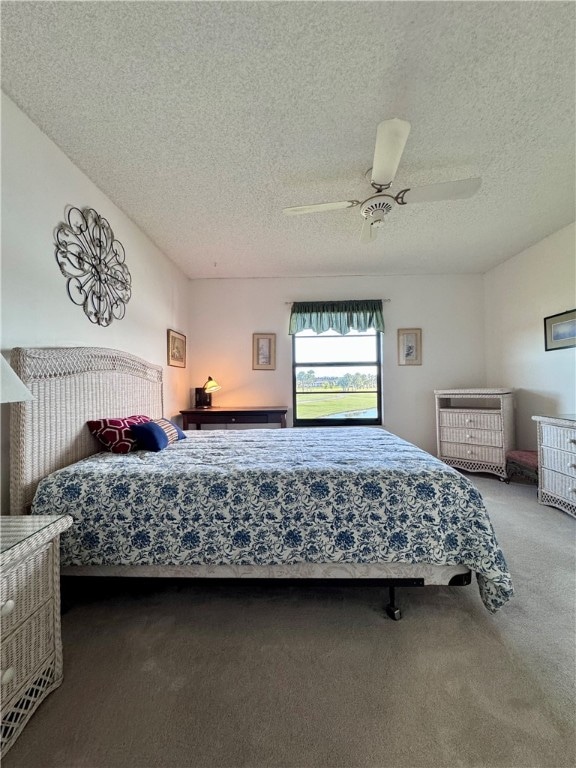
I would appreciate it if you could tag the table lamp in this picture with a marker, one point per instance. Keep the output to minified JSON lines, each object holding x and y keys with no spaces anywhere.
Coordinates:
{"x":203,"y":395}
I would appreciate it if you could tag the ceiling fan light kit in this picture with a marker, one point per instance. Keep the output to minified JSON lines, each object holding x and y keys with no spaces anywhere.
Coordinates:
{"x":377,"y":207}
{"x":391,"y":137}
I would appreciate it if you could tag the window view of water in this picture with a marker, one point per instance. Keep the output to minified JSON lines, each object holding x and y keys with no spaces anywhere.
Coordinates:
{"x":371,"y":413}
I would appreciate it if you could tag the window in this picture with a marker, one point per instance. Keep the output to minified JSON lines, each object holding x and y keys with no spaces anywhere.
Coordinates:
{"x":337,"y":378}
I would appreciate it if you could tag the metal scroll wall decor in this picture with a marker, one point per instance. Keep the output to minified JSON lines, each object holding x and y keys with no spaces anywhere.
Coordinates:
{"x":93,"y":261}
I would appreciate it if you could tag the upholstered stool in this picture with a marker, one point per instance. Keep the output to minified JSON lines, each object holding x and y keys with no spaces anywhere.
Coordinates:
{"x":523,"y":464}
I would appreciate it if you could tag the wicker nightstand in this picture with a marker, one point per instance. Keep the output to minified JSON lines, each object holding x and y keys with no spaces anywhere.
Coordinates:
{"x":557,"y":461}
{"x":29,"y":617}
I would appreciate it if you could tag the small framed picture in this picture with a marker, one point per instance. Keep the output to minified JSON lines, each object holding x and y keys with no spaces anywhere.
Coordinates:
{"x":263,"y":351}
{"x":409,"y":346}
{"x":176,"y":349}
{"x":560,"y":330}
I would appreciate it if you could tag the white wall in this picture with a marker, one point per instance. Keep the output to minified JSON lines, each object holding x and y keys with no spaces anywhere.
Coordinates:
{"x":38,"y":182}
{"x":519,"y":294}
{"x":448,"y":308}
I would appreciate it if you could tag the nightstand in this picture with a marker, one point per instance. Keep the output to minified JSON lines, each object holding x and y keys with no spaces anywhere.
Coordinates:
{"x":259,"y":414}
{"x":29,"y":616}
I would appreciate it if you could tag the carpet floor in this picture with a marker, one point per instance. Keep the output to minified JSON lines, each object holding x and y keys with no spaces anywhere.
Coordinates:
{"x":193,"y":674}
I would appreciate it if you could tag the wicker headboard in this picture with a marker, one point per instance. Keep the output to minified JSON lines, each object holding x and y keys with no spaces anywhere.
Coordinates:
{"x":71,"y":385}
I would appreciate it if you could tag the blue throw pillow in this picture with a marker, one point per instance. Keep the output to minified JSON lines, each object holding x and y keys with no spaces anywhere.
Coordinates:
{"x":157,"y":434}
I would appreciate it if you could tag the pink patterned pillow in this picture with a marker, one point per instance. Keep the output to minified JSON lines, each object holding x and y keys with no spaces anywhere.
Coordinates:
{"x":115,"y":434}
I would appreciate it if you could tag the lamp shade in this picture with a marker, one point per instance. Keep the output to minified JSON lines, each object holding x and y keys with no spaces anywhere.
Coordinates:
{"x":12,"y":390}
{"x":211,"y":386}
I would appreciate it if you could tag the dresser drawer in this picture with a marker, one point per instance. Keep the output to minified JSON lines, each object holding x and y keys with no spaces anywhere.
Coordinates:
{"x":26,"y":649}
{"x":231,"y":417}
{"x":559,"y":437}
{"x":558,"y":484}
{"x":450,"y":417}
{"x":560,"y":461}
{"x":472,"y":452}
{"x":247,"y":418}
{"x":25,"y":587}
{"x":473,"y":436}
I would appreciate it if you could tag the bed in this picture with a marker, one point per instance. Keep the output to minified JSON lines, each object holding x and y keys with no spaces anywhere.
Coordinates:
{"x":296,"y":503}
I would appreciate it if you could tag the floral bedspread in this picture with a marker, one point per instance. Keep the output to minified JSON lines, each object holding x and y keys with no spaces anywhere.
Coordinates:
{"x":270,"y":496}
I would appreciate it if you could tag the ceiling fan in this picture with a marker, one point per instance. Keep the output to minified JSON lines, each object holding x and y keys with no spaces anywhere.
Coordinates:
{"x":391,"y":137}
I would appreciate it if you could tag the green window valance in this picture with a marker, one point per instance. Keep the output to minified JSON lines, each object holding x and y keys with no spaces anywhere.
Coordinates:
{"x":339,"y":316}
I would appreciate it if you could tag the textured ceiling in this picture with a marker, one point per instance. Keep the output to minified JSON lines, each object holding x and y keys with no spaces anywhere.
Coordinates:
{"x":202,"y":120}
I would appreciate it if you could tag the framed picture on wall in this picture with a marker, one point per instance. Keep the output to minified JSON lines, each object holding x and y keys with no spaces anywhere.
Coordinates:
{"x":409,"y":346}
{"x":263,"y":351}
{"x":176,"y":349}
{"x":560,"y":330}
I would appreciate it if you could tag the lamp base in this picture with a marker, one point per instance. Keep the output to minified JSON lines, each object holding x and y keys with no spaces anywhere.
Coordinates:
{"x":202,"y":399}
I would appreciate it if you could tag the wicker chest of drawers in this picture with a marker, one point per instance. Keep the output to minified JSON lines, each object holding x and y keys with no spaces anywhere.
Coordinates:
{"x":475,"y":428}
{"x":557,"y":461}
{"x":31,"y":646}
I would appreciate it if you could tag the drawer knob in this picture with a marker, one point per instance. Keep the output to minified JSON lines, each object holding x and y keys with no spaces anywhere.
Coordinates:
{"x":7,"y":675}
{"x":7,"y":608}
{"x":468,"y":437}
{"x":469,"y":453}
{"x":232,"y":420}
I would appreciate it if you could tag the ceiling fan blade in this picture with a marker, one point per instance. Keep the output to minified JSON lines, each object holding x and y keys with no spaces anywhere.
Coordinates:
{"x":448,"y":190}
{"x":391,"y":137}
{"x":368,"y":233}
{"x":320,"y":207}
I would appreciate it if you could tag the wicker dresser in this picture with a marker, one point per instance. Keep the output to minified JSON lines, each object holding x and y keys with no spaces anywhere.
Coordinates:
{"x":29,"y":617}
{"x":475,"y":428}
{"x":557,"y":461}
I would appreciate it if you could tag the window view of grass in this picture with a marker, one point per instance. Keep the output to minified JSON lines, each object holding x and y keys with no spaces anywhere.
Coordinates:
{"x":335,"y":405}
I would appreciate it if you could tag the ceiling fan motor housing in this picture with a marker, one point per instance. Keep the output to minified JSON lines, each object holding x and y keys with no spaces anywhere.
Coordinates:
{"x":377,"y":207}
